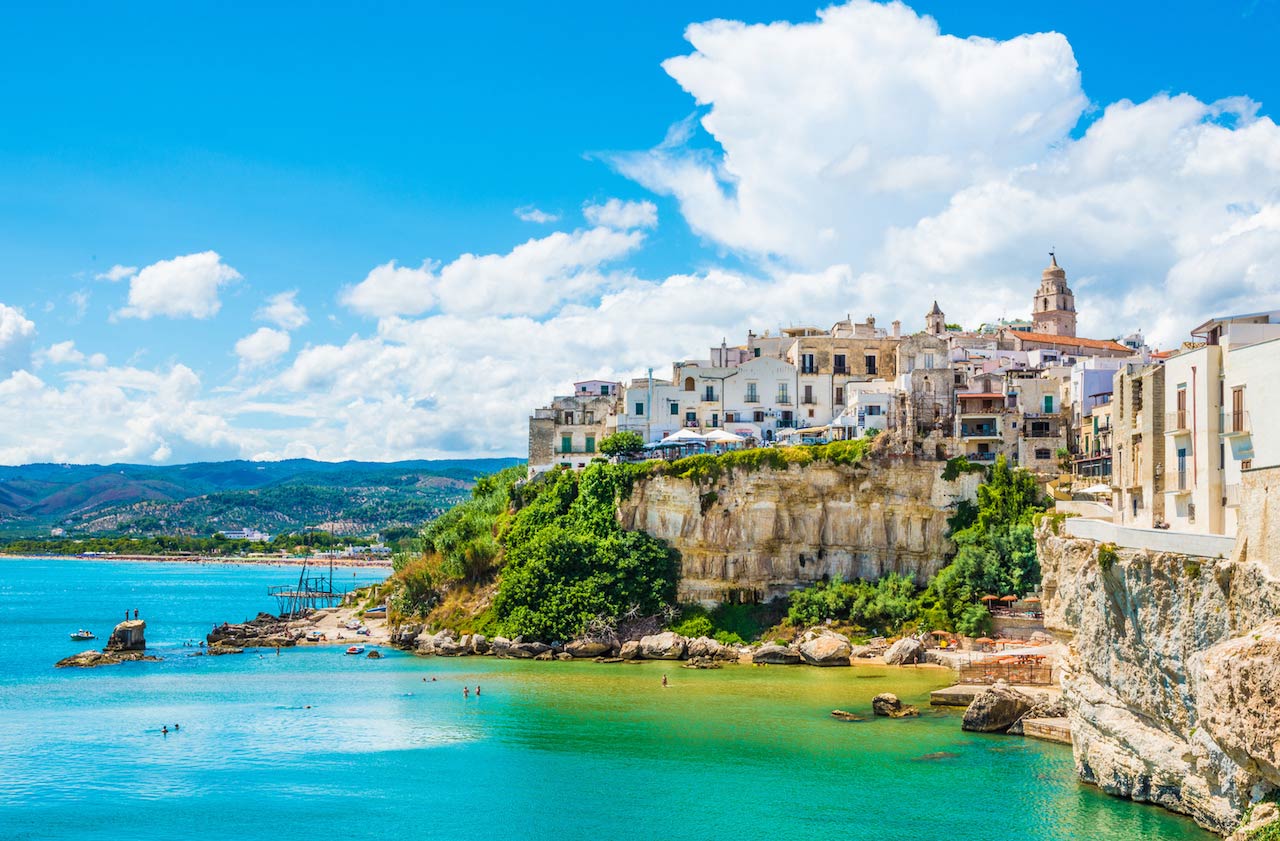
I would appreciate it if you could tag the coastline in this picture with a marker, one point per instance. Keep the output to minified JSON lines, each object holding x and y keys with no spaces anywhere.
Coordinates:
{"x":376,"y":563}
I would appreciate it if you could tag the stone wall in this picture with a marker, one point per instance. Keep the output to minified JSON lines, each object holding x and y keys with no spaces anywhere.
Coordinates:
{"x":754,"y":536}
{"x":1173,"y":673}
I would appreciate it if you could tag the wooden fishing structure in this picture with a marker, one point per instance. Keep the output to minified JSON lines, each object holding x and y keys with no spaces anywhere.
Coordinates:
{"x":314,"y":589}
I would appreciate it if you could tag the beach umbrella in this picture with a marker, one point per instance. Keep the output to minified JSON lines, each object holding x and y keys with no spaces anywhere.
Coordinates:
{"x":720,"y":436}
{"x":1032,"y":599}
{"x":941,"y":633}
{"x":1008,"y":598}
{"x":984,"y":640}
{"x":683,"y":436}
{"x":989,"y":598}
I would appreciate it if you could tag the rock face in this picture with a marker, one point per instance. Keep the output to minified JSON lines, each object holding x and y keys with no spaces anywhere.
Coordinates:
{"x":1171,"y":678}
{"x":588,"y":648}
{"x":997,"y":709}
{"x":775,"y":655}
{"x":664,"y":646}
{"x":826,"y":649}
{"x":263,"y":631}
{"x":904,"y":651}
{"x":768,"y":532}
{"x":129,"y":635}
{"x":1044,"y":707}
{"x":888,"y":704}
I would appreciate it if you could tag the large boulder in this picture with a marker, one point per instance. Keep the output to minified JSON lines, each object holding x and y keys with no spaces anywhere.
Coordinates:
{"x":888,"y":704}
{"x":588,"y":648}
{"x":527,"y":650}
{"x":772,"y":654}
{"x":406,"y":636}
{"x":997,"y":709}
{"x":828,"y":649}
{"x":904,"y":651}
{"x":499,"y":646}
{"x":479,"y":644}
{"x":630,"y":650}
{"x":665,"y":646}
{"x":440,"y":642}
{"x":129,"y":635}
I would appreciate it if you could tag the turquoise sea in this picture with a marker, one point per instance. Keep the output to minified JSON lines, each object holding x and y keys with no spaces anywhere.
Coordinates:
{"x":314,"y":743}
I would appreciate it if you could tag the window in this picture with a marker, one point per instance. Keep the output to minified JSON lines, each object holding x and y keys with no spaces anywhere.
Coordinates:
{"x":639,"y":408}
{"x":928,"y":360}
{"x":1048,"y":404}
{"x":691,"y":418}
{"x":871,"y":364}
{"x":841,"y":366}
{"x":1237,"y":410}
{"x":1246,"y":464}
{"x":873,"y":411}
{"x":675,"y":408}
{"x":566,"y":443}
{"x":688,"y":384}
{"x":757,"y":350}
{"x":807,"y":365}
{"x":752,"y":396}
{"x":591,"y":443}
{"x":839,"y":396}
{"x":1222,"y":455}
{"x":568,"y":418}
{"x":1043,"y":454}
{"x":808,"y":394}
{"x":604,"y":391}
{"x":757,"y":416}
{"x":1180,"y":418}
{"x":715,"y":419}
{"x":783,"y":397}
{"x":709,"y":393}
{"x":730,"y":417}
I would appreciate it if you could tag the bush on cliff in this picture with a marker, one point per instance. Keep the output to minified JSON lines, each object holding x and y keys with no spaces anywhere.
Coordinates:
{"x":568,"y":561}
{"x":708,"y":467}
{"x":462,"y":543}
{"x":887,"y":604}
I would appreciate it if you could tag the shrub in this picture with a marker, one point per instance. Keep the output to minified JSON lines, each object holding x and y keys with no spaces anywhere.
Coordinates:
{"x":1107,"y":556}
{"x":696,"y":626}
{"x":623,"y":443}
{"x":959,"y":466}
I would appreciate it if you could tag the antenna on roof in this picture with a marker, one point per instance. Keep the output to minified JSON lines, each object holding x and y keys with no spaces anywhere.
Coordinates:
{"x":1053,"y":257}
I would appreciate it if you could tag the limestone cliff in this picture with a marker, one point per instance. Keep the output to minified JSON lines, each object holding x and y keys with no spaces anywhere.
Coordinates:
{"x":751,"y":536}
{"x":1173,"y":674}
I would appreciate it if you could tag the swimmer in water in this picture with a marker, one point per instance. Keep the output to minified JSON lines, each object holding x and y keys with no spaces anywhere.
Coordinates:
{"x":664,"y":681}
{"x":477,"y":690}
{"x":466,"y":692}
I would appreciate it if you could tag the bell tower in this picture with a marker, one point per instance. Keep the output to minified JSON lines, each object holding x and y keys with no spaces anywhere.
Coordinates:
{"x":1054,"y":309}
{"x":935,"y":322}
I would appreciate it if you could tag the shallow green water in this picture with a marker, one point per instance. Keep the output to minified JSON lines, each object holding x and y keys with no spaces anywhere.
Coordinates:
{"x":549,"y":750}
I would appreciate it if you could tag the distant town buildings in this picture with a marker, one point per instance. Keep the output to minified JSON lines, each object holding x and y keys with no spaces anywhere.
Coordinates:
{"x":1161,"y":439}
{"x":252,"y":535}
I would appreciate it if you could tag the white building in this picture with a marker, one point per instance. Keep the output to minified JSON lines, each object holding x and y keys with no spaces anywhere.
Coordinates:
{"x":252,"y":535}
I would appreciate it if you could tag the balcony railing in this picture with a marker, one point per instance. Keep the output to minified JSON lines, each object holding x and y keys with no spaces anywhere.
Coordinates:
{"x":840,"y":369}
{"x":1043,"y":433}
{"x":980,"y":456}
{"x":1175,"y":421}
{"x":1180,"y":482}
{"x":980,"y":431}
{"x":783,"y":400}
{"x":751,"y":397}
{"x":786,"y":424}
{"x":1235,"y":423}
{"x":1231,"y":496}
{"x":808,"y":369}
{"x":808,"y":400}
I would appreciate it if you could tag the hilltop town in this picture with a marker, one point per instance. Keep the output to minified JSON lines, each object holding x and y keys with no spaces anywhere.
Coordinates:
{"x":1142,"y":438}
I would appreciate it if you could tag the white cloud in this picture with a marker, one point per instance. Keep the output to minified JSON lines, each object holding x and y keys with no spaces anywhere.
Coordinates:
{"x":622,"y":215}
{"x":66,"y":353}
{"x":116,"y":273}
{"x":390,"y":290}
{"x":184,"y":287}
{"x":529,"y":213}
{"x":16,"y":334}
{"x":283,"y":310}
{"x":261,"y":347}
{"x":533,"y":278}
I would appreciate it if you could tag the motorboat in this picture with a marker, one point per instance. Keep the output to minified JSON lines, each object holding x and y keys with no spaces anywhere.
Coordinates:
{"x":82,"y":635}
{"x":356,"y":649}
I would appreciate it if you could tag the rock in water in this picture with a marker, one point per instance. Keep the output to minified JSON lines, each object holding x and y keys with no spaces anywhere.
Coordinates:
{"x":1045,"y":706}
{"x":664,"y":646}
{"x":630,"y":650}
{"x":129,"y":635}
{"x":888,"y":704}
{"x":905,"y":650}
{"x":588,"y":648}
{"x":775,"y":655}
{"x":826,"y":650}
{"x":996,"y":710}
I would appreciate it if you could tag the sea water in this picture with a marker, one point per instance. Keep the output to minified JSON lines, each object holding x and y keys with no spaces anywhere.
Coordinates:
{"x":316,"y":743}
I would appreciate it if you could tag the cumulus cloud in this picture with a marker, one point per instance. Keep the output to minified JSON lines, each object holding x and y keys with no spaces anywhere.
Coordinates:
{"x":16,"y":334}
{"x":622,"y":215}
{"x":261,"y":347}
{"x":533,"y":278}
{"x":529,"y":213}
{"x":283,"y":310}
{"x":117,"y":272}
{"x":66,"y":353}
{"x":184,"y":287}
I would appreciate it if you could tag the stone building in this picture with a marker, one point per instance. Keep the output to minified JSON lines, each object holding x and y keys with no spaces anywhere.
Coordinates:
{"x":1053,"y":311}
{"x":568,"y":431}
{"x":1137,"y":465}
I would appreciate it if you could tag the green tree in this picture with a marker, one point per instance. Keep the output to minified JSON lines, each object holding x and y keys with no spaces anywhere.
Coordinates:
{"x":623,"y":443}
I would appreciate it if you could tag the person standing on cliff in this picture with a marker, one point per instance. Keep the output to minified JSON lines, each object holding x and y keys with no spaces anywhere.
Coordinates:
{"x":135,"y":614}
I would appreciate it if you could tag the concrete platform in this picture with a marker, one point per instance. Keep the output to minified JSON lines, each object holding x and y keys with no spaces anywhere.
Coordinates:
{"x":962,"y":694}
{"x":1047,"y":729}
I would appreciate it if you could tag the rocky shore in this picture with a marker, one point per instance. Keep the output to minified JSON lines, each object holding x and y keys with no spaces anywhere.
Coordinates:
{"x":127,"y":643}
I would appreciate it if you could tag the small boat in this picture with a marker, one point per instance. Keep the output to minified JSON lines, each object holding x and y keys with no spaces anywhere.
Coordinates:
{"x":356,"y":649}
{"x":82,"y":634}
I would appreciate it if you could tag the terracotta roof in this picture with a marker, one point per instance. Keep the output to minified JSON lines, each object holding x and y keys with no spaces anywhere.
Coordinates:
{"x":1070,"y":341}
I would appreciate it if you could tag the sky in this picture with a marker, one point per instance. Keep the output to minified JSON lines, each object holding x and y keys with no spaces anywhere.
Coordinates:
{"x":386,"y":231}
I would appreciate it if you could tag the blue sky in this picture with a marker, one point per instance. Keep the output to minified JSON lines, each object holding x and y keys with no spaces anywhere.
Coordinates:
{"x":307,"y":146}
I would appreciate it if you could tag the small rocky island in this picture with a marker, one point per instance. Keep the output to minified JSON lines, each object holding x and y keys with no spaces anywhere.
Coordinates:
{"x":127,"y":642}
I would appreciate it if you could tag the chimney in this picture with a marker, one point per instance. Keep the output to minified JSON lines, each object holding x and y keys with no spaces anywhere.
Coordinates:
{"x":897,"y":329}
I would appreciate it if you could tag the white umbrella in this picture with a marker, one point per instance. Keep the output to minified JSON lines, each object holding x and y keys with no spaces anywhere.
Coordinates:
{"x":720,"y":436}
{"x":1096,"y":489}
{"x":683,"y":436}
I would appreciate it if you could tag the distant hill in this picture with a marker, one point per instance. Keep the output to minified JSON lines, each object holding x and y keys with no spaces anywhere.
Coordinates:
{"x":350,"y":497}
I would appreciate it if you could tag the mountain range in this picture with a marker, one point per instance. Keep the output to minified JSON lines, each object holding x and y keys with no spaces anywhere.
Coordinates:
{"x":349,"y":497}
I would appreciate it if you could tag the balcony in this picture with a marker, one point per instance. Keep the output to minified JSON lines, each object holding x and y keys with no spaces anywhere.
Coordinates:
{"x":751,"y":397}
{"x":808,"y":369}
{"x":783,"y":400}
{"x":1234,"y":424}
{"x":808,"y":400}
{"x":1180,"y":482}
{"x":979,"y":430}
{"x":1175,"y":423}
{"x":1042,"y":433}
{"x":1231,"y":496}
{"x":980,"y":457}
{"x":841,"y":369}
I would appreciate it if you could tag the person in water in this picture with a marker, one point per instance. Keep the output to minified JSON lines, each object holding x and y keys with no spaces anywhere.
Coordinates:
{"x":664,"y":681}
{"x":175,"y":728}
{"x":477,"y":690}
{"x":165,"y":730}
{"x":466,"y":692}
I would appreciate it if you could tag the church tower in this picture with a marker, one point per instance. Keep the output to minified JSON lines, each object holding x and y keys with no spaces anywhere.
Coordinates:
{"x":935,"y":322}
{"x":1054,"y":308}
